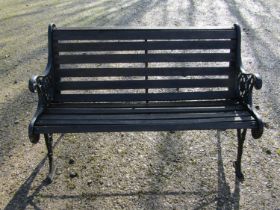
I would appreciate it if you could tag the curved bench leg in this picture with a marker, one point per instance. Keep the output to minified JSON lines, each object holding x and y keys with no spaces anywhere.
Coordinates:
{"x":241,"y":135}
{"x":49,"y":144}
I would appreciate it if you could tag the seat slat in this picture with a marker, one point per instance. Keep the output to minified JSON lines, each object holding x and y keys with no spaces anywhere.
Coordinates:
{"x":143,"y":97}
{"x":149,"y":45}
{"x":100,"y":111}
{"x":127,"y":128}
{"x":140,"y":84}
{"x":176,"y":71}
{"x":223,"y":104}
{"x":142,"y":58}
{"x":140,"y":121}
{"x":154,"y":116}
{"x":136,"y":34}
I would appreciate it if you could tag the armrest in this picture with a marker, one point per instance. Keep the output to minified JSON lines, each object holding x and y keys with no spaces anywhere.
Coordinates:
{"x":246,"y":83}
{"x":257,"y":80}
{"x":33,"y":84}
{"x":36,"y":82}
{"x":42,"y":86}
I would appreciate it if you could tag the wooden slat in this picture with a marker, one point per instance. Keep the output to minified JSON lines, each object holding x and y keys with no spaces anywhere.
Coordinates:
{"x":102,"y":111}
{"x":137,"y":108}
{"x":149,"y":45}
{"x":140,"y":84}
{"x":176,"y":71}
{"x":142,"y":58}
{"x":140,"y":122}
{"x":144,"y":116}
{"x":127,"y":128}
{"x":143,"y":97}
{"x":136,"y":34}
{"x":223,"y":104}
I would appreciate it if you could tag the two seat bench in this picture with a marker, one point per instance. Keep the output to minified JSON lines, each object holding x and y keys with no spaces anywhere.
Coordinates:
{"x":142,"y":79}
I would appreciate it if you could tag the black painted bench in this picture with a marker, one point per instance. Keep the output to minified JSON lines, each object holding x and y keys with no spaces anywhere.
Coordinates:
{"x":140,"y":79}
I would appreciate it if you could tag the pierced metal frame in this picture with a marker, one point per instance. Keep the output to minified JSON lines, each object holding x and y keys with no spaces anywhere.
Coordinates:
{"x":44,"y":86}
{"x":49,"y":145}
{"x":244,"y":91}
{"x":241,"y":135}
{"x":244,"y":86}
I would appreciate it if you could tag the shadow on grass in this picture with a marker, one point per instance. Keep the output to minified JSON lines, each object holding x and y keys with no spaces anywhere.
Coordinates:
{"x":223,"y":198}
{"x":21,"y":199}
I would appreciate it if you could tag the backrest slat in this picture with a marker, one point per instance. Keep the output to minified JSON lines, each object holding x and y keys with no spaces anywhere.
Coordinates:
{"x":164,"y":71}
{"x":140,"y":84}
{"x":151,"y":45}
{"x":142,"y":58}
{"x":134,"y":34}
{"x":143,"y":97}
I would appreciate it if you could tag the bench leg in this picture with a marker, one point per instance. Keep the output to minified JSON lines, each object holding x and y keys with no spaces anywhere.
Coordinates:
{"x":49,"y":144}
{"x":241,"y":135}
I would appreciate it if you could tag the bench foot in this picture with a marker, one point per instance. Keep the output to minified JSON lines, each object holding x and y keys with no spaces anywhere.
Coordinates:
{"x":49,"y":145}
{"x":241,"y":135}
{"x":238,"y":171}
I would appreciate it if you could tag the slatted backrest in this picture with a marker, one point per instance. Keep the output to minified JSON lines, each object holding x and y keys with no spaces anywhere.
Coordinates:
{"x":108,"y":65}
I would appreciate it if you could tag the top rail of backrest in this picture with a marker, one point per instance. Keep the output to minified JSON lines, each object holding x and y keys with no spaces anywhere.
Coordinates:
{"x":130,"y":33}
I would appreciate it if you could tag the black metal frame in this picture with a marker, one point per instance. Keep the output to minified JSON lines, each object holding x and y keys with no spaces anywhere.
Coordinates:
{"x":45,"y":86}
{"x":241,"y":135}
{"x":245,"y":83}
{"x":49,"y":145}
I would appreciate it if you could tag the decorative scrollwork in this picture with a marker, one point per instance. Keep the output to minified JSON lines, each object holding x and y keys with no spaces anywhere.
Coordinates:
{"x":41,"y":85}
{"x":246,"y":83}
{"x":45,"y":84}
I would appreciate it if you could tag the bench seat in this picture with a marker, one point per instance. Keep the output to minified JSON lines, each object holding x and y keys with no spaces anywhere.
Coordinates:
{"x":103,"y":117}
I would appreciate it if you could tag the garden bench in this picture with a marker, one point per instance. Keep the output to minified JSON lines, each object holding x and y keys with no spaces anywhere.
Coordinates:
{"x":144,"y":79}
